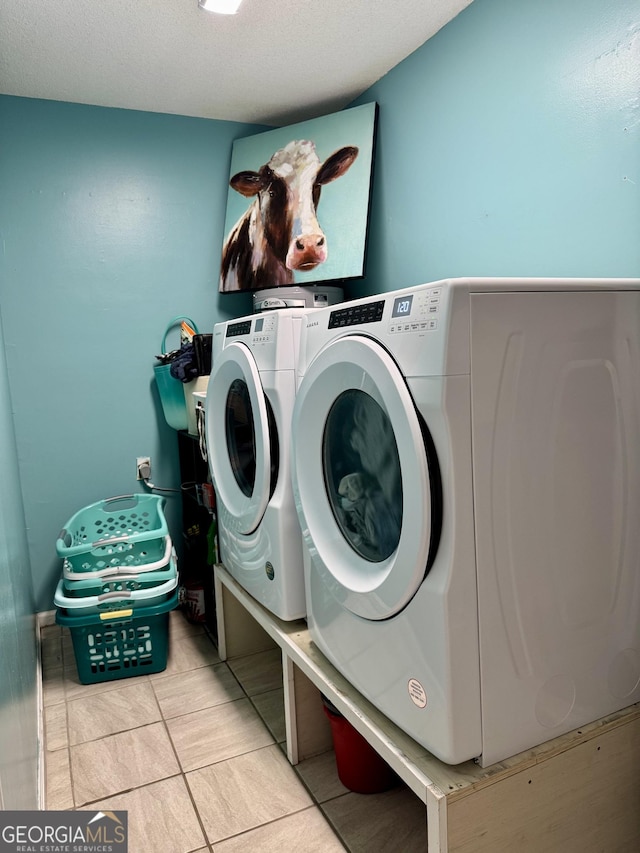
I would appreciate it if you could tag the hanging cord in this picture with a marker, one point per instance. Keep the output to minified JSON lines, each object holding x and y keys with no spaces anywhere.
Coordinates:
{"x":153,"y":488}
{"x":144,"y":470}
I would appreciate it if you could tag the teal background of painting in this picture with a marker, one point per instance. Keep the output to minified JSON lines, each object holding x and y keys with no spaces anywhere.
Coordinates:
{"x":344,"y":204}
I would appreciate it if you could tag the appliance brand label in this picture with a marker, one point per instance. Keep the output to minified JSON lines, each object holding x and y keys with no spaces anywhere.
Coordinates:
{"x":270,"y":571}
{"x":417,"y":693}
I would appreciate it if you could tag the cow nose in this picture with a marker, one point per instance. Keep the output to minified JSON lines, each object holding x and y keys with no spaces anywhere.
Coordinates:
{"x":309,"y":242}
{"x":306,"y":251}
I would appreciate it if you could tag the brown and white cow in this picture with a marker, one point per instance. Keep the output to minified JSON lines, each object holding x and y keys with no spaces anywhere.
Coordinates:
{"x":280,"y":233}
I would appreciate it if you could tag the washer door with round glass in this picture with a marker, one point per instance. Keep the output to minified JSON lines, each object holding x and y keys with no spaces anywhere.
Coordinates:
{"x":241,"y":441}
{"x":365,"y":491}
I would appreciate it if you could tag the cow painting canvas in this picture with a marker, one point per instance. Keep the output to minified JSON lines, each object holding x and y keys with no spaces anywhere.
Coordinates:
{"x":277,"y":231}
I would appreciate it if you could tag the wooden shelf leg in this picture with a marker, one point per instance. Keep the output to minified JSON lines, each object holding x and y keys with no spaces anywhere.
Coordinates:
{"x":308,"y":730}
{"x":238,"y":632}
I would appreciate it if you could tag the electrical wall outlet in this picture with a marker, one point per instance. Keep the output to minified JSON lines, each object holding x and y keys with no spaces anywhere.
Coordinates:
{"x":143,"y":467}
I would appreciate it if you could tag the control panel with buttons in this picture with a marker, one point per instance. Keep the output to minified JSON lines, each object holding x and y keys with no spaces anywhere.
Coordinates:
{"x":414,"y":312}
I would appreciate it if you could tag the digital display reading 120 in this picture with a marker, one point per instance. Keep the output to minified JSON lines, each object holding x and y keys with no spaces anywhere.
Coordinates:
{"x":402,"y":306}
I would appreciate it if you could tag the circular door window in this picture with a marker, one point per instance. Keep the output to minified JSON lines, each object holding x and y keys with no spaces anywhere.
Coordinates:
{"x":241,"y":435}
{"x":241,"y":438}
{"x":366,"y":482}
{"x":362,"y":475}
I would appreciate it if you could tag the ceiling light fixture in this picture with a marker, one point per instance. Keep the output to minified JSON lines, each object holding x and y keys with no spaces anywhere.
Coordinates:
{"x":222,"y":7}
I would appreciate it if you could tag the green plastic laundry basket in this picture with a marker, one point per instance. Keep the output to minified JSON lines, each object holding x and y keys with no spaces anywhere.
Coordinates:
{"x":128,"y":530}
{"x":114,"y":600}
{"x":115,"y":578}
{"x":120,"y":644}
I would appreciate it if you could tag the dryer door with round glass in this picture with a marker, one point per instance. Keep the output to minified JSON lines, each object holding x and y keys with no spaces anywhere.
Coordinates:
{"x":365,"y":477}
{"x":241,"y":440}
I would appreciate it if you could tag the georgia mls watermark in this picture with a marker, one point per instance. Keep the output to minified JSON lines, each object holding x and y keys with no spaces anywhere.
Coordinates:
{"x":63,"y":832}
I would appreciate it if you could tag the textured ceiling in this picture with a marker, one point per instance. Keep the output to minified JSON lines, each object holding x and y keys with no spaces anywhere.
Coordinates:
{"x":275,"y":62}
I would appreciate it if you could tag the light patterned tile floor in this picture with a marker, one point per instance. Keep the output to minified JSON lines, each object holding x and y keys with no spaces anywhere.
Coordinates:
{"x":194,"y":755}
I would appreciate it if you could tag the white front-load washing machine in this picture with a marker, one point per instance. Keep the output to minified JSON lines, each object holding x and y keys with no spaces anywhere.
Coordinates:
{"x":249,"y":405}
{"x":466,"y":470}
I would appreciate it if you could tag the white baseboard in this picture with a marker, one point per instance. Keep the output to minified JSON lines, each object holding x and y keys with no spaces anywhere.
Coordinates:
{"x":42,"y":769}
{"x":45,"y":618}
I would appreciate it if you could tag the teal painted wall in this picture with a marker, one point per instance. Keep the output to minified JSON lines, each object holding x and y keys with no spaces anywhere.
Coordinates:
{"x":18,"y":699}
{"x":112,"y":223}
{"x":509,"y":144}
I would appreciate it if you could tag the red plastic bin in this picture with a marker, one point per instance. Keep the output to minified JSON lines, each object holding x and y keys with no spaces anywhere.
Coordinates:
{"x":359,"y":766}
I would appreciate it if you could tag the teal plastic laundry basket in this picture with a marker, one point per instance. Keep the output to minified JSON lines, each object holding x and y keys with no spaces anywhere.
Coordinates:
{"x":115,"y":600}
{"x":120,"y":644}
{"x":115,"y":578}
{"x":128,"y":530}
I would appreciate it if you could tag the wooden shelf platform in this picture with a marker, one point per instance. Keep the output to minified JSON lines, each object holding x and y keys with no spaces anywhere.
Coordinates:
{"x":579,"y":792}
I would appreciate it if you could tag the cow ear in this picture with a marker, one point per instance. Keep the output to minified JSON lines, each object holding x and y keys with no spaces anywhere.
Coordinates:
{"x":247,"y":183}
{"x":336,"y":165}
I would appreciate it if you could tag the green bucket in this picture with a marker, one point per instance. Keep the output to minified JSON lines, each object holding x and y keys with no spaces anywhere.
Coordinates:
{"x":171,"y":390}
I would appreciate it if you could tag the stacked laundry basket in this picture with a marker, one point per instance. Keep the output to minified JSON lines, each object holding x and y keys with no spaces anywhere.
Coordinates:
{"x":119,"y":582}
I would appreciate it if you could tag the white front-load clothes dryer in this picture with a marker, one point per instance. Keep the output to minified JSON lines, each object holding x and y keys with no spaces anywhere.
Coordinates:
{"x":249,"y":406}
{"x":466,"y":470}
